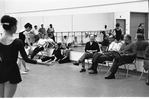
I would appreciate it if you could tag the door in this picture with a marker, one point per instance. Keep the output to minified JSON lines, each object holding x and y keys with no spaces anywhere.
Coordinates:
{"x":135,"y":20}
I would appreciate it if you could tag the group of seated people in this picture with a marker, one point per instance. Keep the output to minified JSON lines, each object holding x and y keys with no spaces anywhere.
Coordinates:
{"x":118,"y":51}
{"x":61,"y":52}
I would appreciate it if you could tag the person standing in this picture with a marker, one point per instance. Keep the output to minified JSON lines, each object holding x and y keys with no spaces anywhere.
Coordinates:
{"x":9,"y":48}
{"x":36,"y":33}
{"x":24,"y":37}
{"x":42,"y":31}
{"x":141,"y":30}
{"x":50,"y":32}
{"x":118,"y":32}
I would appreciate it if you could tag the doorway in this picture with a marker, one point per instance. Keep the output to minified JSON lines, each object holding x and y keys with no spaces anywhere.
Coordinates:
{"x":135,"y":20}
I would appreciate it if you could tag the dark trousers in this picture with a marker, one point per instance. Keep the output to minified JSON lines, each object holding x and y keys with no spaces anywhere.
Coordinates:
{"x":86,"y":55}
{"x":100,"y":58}
{"x":45,"y":58}
{"x":36,"y":50}
{"x":64,"y":60}
{"x":120,"y":61}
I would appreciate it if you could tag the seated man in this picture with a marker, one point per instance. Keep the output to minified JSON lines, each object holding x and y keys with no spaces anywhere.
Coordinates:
{"x":146,"y":64}
{"x":91,"y":48}
{"x":41,"y":44}
{"x":141,"y":46}
{"x":105,"y":56}
{"x":127,"y":55}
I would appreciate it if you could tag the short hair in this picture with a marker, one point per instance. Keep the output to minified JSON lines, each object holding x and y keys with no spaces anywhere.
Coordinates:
{"x":117,"y":24}
{"x":59,"y":44}
{"x":51,"y":25}
{"x":128,"y":36}
{"x":8,"y":22}
{"x":35,"y":26}
{"x":65,"y":36}
{"x":28,"y":25}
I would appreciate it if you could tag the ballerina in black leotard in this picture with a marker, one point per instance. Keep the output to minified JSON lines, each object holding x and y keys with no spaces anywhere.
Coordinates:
{"x":9,"y":48}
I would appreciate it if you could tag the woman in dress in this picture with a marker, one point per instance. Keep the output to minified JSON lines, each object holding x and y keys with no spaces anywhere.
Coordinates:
{"x":9,"y":48}
{"x":118,"y":32}
{"x":141,"y":30}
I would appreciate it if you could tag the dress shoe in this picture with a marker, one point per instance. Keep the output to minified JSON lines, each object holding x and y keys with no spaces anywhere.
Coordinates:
{"x":83,"y":70}
{"x":147,"y":83}
{"x":110,"y":77}
{"x":93,"y":72}
{"x":76,"y":63}
{"x":90,"y":68}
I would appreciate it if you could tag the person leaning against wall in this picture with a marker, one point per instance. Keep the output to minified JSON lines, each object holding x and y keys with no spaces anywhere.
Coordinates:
{"x":50,"y":32}
{"x":141,"y":30}
{"x":9,"y":48}
{"x":42,"y":31}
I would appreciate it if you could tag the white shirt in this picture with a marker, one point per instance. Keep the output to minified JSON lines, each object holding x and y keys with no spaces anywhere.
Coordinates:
{"x":50,"y":40}
{"x":35,"y":32}
{"x":42,"y":41}
{"x":115,"y":46}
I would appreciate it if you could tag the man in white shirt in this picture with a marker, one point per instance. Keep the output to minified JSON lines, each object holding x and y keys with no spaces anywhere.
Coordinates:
{"x":36,"y":33}
{"x":109,"y":55}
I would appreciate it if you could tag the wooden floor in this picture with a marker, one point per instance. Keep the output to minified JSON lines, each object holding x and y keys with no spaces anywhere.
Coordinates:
{"x":65,"y":80}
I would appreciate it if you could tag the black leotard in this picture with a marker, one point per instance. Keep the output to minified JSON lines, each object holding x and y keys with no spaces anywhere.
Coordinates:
{"x":9,"y":70}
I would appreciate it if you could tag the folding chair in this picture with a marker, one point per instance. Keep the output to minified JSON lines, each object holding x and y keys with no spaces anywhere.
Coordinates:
{"x":108,"y":63}
{"x":89,"y":60}
{"x":128,"y":64}
{"x":143,"y":71}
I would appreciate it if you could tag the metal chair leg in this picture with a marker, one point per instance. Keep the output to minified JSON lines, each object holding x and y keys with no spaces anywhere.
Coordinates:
{"x":109,"y":68}
{"x":141,"y":74}
{"x":100,"y":67}
{"x":127,"y":71}
{"x":88,"y":63}
{"x":108,"y":71}
{"x":136,"y":69}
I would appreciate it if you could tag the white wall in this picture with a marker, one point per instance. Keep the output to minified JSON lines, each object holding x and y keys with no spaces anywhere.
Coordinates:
{"x":62,"y":23}
{"x":13,"y":6}
{"x":71,"y":7}
{"x":123,"y":15}
{"x":92,"y":22}
{"x":1,"y":12}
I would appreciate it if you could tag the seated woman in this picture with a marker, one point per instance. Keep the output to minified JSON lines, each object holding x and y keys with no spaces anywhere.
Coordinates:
{"x":146,"y":64}
{"x":60,"y":54}
{"x":66,"y":54}
{"x":56,"y":55}
{"x":75,"y":42}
